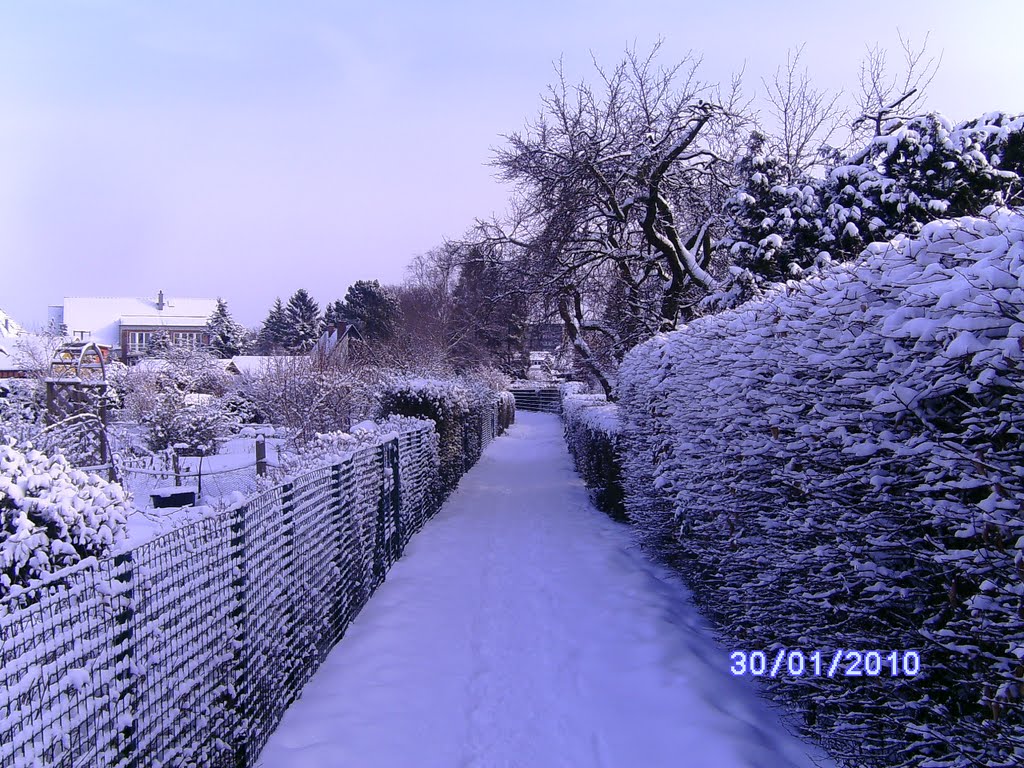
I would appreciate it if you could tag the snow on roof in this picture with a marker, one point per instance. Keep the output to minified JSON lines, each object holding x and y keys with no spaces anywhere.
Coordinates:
{"x":160,"y":365}
{"x":30,"y":351}
{"x":103,"y":316}
{"x":9,"y":328}
{"x":250,"y":364}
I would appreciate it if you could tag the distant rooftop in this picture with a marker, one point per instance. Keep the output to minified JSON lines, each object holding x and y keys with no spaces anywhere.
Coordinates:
{"x":102,"y":316}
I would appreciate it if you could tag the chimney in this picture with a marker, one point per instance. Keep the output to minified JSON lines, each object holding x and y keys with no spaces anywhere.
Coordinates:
{"x":160,"y":300}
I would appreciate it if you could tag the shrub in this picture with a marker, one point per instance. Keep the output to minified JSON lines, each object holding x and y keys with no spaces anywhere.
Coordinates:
{"x":448,"y":404}
{"x":52,"y":516}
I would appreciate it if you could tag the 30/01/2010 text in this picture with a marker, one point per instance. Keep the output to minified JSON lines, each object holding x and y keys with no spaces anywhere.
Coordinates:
{"x":842,"y":662}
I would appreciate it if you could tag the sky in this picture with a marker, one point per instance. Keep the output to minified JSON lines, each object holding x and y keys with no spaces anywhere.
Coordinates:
{"x":247,"y":149}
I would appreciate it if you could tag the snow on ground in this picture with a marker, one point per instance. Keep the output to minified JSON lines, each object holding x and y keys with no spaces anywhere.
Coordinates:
{"x":523,"y":628}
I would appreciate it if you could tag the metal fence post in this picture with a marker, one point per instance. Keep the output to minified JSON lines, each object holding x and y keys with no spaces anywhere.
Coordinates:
{"x":288,"y":529}
{"x":344,"y":595}
{"x":261,"y":456}
{"x":237,"y":697}
{"x":124,"y":665}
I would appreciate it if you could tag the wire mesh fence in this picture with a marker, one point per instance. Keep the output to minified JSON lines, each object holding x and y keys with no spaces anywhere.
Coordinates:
{"x":210,"y":478}
{"x":186,"y":650}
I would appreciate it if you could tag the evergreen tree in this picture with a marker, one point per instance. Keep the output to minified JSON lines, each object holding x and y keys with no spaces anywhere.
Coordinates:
{"x":274,"y":334}
{"x":334,"y":313}
{"x":374,"y":309}
{"x":775,"y":218}
{"x":227,"y":337}
{"x":304,"y":322}
{"x":159,"y":345}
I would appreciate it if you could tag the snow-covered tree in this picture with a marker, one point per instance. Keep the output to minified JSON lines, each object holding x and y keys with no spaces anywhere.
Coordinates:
{"x":924,"y":168}
{"x":334,"y":314}
{"x":274,"y":333}
{"x":303,"y":322}
{"x":775,"y":220}
{"x":374,"y":309}
{"x":227,"y":337}
{"x":619,"y":182}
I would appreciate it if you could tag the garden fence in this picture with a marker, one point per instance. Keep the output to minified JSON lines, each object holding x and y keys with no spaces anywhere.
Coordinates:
{"x":537,"y":397}
{"x":186,"y":650}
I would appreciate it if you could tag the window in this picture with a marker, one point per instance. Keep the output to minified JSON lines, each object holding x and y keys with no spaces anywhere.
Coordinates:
{"x":138,"y":341}
{"x":188,"y":339}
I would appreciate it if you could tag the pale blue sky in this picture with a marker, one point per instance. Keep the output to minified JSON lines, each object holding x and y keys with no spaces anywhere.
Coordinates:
{"x":246,"y":149}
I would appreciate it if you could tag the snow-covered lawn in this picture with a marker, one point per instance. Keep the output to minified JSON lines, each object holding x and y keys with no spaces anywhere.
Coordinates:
{"x":524,"y":628}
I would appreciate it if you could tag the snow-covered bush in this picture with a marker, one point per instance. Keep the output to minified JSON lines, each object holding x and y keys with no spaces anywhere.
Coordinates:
{"x":839,"y":465}
{"x":506,"y":410}
{"x":191,"y":428}
{"x":21,"y":409}
{"x":52,"y":515}
{"x":921,"y":171}
{"x":591,"y":426}
{"x":458,"y":409}
{"x":301,"y":394}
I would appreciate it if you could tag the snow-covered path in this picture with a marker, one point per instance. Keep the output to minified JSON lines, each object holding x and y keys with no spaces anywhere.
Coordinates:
{"x":523,"y":628}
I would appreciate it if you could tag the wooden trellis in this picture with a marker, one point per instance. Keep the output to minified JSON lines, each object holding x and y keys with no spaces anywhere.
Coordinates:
{"x":76,"y":398}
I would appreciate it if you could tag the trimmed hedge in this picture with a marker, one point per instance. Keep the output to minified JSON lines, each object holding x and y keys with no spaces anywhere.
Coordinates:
{"x":838,"y":466}
{"x":465,"y":416}
{"x":591,"y":427}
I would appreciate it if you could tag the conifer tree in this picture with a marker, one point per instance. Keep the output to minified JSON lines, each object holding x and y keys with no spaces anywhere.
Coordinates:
{"x":334,"y":313}
{"x":227,"y":337}
{"x":274,"y":333}
{"x":373,"y":308}
{"x":304,"y":322}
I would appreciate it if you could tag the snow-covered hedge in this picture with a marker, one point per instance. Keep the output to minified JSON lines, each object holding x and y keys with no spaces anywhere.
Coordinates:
{"x":458,"y":410}
{"x":506,"y":410}
{"x":591,"y":426}
{"x":52,"y":516}
{"x":840,"y":465}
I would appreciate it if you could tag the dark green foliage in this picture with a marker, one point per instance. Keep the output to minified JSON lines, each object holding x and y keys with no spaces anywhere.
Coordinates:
{"x":462,"y":413}
{"x":921,"y":170}
{"x":372,"y":308}
{"x":334,"y":314}
{"x":593,"y":444}
{"x":274,"y":333}
{"x":489,"y":316}
{"x":227,"y":338}
{"x":775,"y":226}
{"x":304,"y":323}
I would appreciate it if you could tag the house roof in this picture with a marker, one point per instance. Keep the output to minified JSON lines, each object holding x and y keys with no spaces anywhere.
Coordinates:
{"x":27,"y":352}
{"x":103,"y":316}
{"x":252,"y":364}
{"x":159,"y":365}
{"x":9,"y":328}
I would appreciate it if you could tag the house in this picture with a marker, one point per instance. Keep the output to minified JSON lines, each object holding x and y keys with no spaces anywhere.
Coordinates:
{"x":331,"y":348}
{"x":16,"y":344}
{"x":130,"y":325}
{"x":333,"y":344}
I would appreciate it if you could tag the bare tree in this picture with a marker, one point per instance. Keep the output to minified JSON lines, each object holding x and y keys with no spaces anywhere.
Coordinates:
{"x":890,"y":99}
{"x":613,"y":188}
{"x":807,"y":118}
